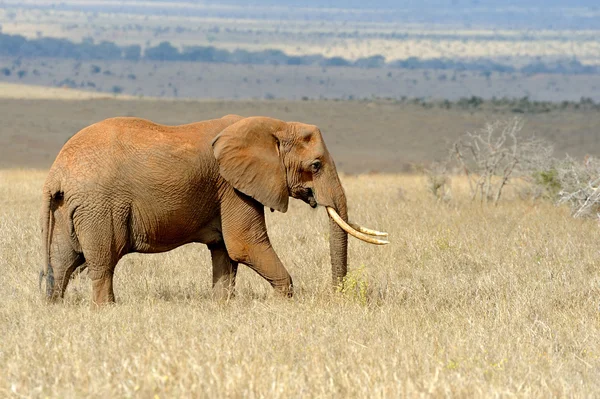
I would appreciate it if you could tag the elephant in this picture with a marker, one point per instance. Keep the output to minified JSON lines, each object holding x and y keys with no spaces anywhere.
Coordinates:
{"x":127,"y":185}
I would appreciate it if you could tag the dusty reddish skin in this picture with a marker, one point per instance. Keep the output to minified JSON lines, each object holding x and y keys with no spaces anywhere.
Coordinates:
{"x":129,"y":185}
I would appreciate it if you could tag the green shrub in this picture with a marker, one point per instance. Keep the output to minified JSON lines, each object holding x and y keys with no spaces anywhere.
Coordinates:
{"x":549,"y":181}
{"x":355,"y":286}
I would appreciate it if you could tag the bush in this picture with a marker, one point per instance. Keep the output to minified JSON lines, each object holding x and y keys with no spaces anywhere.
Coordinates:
{"x":165,"y":51}
{"x":376,"y":61}
{"x":335,"y":62}
{"x":438,"y":181}
{"x":548,"y":181}
{"x":355,"y":286}
{"x":472,"y":102}
{"x":493,"y":155}
{"x":133,"y":52}
{"x":69,"y":83}
{"x":575,"y":183}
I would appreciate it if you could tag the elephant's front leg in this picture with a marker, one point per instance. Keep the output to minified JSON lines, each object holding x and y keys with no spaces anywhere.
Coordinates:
{"x":224,"y":272}
{"x":262,"y":259}
{"x":247,"y":241}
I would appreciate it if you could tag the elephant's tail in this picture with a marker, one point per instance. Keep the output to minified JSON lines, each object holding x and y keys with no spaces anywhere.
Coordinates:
{"x":47,"y":229}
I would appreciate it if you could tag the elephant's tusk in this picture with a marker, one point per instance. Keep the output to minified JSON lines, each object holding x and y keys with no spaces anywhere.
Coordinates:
{"x":348,"y":229}
{"x":362,"y":229}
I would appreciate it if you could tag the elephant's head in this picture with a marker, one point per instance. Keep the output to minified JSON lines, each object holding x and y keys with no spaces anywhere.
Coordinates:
{"x":271,"y":160}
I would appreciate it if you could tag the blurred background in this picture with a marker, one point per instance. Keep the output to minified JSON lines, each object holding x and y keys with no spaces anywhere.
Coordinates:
{"x":291,"y":49}
{"x":392,"y":84}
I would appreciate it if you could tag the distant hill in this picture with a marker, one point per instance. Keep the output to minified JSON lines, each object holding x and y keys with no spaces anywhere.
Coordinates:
{"x":393,"y":4}
{"x":526,"y":14}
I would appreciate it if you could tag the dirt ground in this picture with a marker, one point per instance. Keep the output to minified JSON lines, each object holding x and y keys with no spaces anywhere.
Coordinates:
{"x":362,"y":136}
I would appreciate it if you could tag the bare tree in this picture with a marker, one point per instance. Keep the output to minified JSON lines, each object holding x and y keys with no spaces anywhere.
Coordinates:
{"x":492,"y":155}
{"x":579,"y":184}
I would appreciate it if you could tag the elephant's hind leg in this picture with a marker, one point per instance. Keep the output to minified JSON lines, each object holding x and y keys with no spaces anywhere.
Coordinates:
{"x":103,"y":245}
{"x":224,"y":272}
{"x":102,"y":290}
{"x":101,"y":261}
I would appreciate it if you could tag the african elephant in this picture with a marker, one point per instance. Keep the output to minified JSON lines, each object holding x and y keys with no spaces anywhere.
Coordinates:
{"x":130,"y":185}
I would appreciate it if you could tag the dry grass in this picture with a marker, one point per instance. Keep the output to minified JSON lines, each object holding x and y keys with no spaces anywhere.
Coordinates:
{"x":467,"y":300}
{"x":31,"y":92}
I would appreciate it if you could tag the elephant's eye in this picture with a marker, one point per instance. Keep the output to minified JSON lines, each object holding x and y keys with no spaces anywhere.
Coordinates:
{"x":315,"y":166}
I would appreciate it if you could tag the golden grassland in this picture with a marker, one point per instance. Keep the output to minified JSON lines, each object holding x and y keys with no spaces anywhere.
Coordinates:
{"x":466,"y":300}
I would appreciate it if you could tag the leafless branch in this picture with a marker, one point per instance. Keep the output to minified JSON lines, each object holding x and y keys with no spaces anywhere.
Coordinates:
{"x":491,"y":156}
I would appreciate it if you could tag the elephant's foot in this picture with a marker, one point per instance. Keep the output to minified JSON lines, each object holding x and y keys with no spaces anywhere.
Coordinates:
{"x":223,"y":292}
{"x":224,"y":272}
{"x":54,"y":298}
{"x":223,"y":286}
{"x":284,"y":287}
{"x":102,"y":290}
{"x":55,"y":288}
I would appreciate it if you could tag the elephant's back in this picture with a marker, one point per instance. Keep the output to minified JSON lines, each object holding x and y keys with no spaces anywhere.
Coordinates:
{"x":128,"y":133}
{"x":127,"y":142}
{"x":136,"y":154}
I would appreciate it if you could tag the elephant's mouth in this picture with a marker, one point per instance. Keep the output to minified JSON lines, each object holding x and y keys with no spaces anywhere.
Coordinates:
{"x":307,"y":195}
{"x":310,"y":198}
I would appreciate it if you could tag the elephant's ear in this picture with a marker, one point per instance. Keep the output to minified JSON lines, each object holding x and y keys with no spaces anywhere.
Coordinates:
{"x":249,"y":160}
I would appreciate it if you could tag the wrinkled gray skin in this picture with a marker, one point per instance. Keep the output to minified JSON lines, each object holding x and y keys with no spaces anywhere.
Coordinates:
{"x":128,"y":185}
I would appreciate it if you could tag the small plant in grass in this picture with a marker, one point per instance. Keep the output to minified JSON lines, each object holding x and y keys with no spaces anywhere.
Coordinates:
{"x":355,"y":286}
{"x":548,"y":180}
{"x":438,"y":181}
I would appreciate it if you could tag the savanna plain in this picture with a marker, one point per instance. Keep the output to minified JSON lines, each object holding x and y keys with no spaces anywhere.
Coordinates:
{"x":466,"y":300}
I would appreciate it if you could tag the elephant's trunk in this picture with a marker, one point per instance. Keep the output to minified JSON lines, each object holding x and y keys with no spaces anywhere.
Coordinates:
{"x":338,"y":239}
{"x":330,"y":194}
{"x":340,"y":227}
